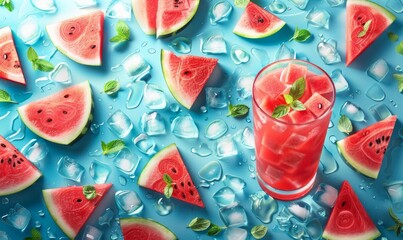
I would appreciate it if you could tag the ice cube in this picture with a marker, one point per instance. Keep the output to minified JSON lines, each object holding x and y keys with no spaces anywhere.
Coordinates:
{"x":202,"y":150}
{"x":284,"y":52}
{"x":301,"y":4}
{"x":152,"y":124}
{"x":145,"y":144}
{"x":106,"y":217}
{"x":277,"y":7}
{"x":85,"y":3}
{"x":119,"y":124}
{"x":328,"y":162}
{"x":126,"y":161}
{"x":135,"y":66}
{"x":352,"y":111}
{"x":99,"y":172}
{"x":380,"y":111}
{"x":181,"y":45}
{"x":29,"y":31}
{"x":328,"y":52}
{"x":247,"y":138}
{"x":233,"y":233}
{"x":263,"y":206}
{"x":325,"y":195}
{"x":70,"y":169}
{"x":184,"y":127}
{"x":92,"y":233}
{"x":283,"y":219}
{"x":50,"y":234}
{"x":226,"y":147}
{"x":395,"y":192}
{"x":235,"y":183}
{"x":128,"y":202}
{"x":154,"y":98}
{"x":340,"y":82}
{"x":234,"y":215}
{"x":3,"y":236}
{"x":120,"y":9}
{"x":335,"y":3}
{"x":220,"y":12}
{"x":300,"y":209}
{"x":61,"y":74}
{"x":395,"y":5}
{"x":216,"y":129}
{"x":314,"y":229}
{"x":224,"y":197}
{"x":17,"y":217}
{"x":211,"y":171}
{"x":135,"y":95}
{"x":376,"y":93}
{"x":261,"y":56}
{"x":216,"y":97}
{"x":378,"y":70}
{"x":163,"y":206}
{"x":318,"y":17}
{"x":47,"y":6}
{"x":212,"y":42}
{"x":244,"y":86}
{"x":239,"y":55}
{"x":35,"y":150}
{"x":296,"y":231}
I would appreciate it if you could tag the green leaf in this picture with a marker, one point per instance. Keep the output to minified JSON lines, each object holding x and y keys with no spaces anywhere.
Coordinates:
{"x":5,"y":97}
{"x":345,"y":125}
{"x":32,"y":55}
{"x":364,"y":31}
{"x":301,"y":35}
{"x":7,"y":4}
{"x":122,"y":32}
{"x":36,"y":235}
{"x":44,"y":66}
{"x":112,"y":146}
{"x":199,"y":224}
{"x":117,"y":39}
{"x":167,"y":179}
{"x":281,"y":111}
{"x":214,"y":230}
{"x":168,"y":190}
{"x":89,"y":192}
{"x":297,"y":105}
{"x":399,"y":48}
{"x":241,"y":3}
{"x":288,"y":98}
{"x":393,"y":37}
{"x":298,"y":88}
{"x":111,"y":87}
{"x":238,"y":111}
{"x":399,"y":78}
{"x":259,"y":231}
{"x":394,"y":216}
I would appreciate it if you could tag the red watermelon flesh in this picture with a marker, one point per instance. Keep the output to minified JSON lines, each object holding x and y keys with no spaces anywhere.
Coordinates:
{"x":61,"y":117}
{"x":144,"y":229}
{"x":270,"y":85}
{"x":10,"y":67}
{"x":145,"y":12}
{"x":293,"y":72}
{"x":186,"y":76}
{"x":80,"y":38}
{"x":16,"y":171}
{"x":301,"y":116}
{"x":349,"y":220}
{"x":317,"y":104}
{"x":365,"y":149}
{"x":169,"y":161}
{"x":358,"y":13}
{"x":320,"y":84}
{"x":70,"y":209}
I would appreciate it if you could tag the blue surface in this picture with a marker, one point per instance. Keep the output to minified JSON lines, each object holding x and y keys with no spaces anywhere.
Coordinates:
{"x":374,"y":196}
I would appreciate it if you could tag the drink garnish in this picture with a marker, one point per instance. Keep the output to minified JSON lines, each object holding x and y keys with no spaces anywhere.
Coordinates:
{"x":296,"y":92}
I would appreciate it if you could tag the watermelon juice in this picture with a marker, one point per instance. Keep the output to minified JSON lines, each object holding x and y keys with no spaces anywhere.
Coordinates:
{"x":288,"y":148}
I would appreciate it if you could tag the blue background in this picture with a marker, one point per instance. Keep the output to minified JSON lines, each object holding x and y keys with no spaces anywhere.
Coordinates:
{"x":373,"y":197}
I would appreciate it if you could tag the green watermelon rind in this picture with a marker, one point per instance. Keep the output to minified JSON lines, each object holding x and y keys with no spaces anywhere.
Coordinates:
{"x":65,"y":140}
{"x":28,"y":183}
{"x":383,"y":10}
{"x":163,"y":230}
{"x":248,"y":33}
{"x":370,"y":234}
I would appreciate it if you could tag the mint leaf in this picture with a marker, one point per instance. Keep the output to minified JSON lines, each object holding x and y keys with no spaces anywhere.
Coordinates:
{"x":89,"y":192}
{"x":258,"y":232}
{"x":288,"y":98}
{"x":238,"y":111}
{"x":399,"y":78}
{"x":297,"y":105}
{"x":111,"y":87}
{"x":199,"y":224}
{"x":122,"y":32}
{"x":5,"y":97}
{"x":44,"y":65}
{"x":117,"y":39}
{"x":300,"y":35}
{"x":298,"y":88}
{"x":214,"y":230}
{"x":32,"y":55}
{"x":35,"y":235}
{"x":281,"y":111}
{"x":112,"y":146}
{"x":345,"y":125}
{"x":364,"y":31}
{"x":241,"y":3}
{"x":7,"y":4}
{"x":168,"y":190}
{"x":399,"y":48}
{"x":167,"y":179}
{"x":393,"y":37}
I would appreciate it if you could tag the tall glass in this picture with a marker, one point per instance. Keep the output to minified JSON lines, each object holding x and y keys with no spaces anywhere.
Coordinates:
{"x":288,"y":149}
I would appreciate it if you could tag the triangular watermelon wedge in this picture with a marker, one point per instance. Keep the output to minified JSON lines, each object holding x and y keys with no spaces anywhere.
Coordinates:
{"x":361,"y":13}
{"x":145,"y":12}
{"x":10,"y":67}
{"x":365,"y":149}
{"x":349,"y":220}
{"x":169,"y":161}
{"x":80,"y":38}
{"x":186,"y":75}
{"x":70,"y":209}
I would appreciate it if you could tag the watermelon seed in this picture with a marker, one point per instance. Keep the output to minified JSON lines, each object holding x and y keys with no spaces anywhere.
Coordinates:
{"x":175,"y":186}
{"x":66,"y":96}
{"x":21,"y":159}
{"x":370,"y":144}
{"x":260,"y":20}
{"x":13,"y":164}
{"x":378,"y":141}
{"x":183,"y":195}
{"x":72,"y":29}
{"x":182,"y":184}
{"x":383,"y":138}
{"x":377,"y":151}
{"x":343,"y":203}
{"x":14,"y":156}
{"x":79,"y":200}
{"x":173,"y":170}
{"x":92,"y":46}
{"x":320,"y":106}
{"x":64,"y":112}
{"x":39,"y":111}
{"x":191,"y":192}
{"x":49,"y":120}
{"x":18,"y":162}
{"x":387,"y":138}
{"x":189,"y":184}
{"x":9,"y":160}
{"x":2,"y":160}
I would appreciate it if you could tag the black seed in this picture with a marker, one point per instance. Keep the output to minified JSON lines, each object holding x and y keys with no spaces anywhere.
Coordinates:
{"x":260,"y":20}
{"x":182,"y":184}
{"x":9,"y":161}
{"x":49,"y":120}
{"x":5,"y":56}
{"x":16,"y":64}
{"x":18,"y":162}
{"x":21,"y":159}
{"x":183,"y":195}
{"x":175,"y":186}
{"x":64,"y":112}
{"x":191,"y":192}
{"x":2,"y":161}
{"x":39,"y":111}
{"x":13,"y":164}
{"x":378,"y":141}
{"x":79,"y":200}
{"x":343,"y":203}
{"x":66,"y":96}
{"x":3,"y":145}
{"x":320,"y":106}
{"x":370,"y":144}
{"x":93,"y":46}
{"x":14,"y":156}
{"x":186,"y":72}
{"x":189,"y":183}
{"x":377,"y":151}
{"x":173,"y":170}
{"x":383,"y":138}
{"x":387,"y":138}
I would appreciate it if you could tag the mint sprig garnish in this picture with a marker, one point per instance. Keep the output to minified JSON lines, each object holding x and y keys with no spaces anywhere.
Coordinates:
{"x":111,"y":87}
{"x":397,"y":228}
{"x":238,"y":111}
{"x":258,"y":232}
{"x":201,"y":224}
{"x":5,"y":97}
{"x":399,"y":48}
{"x":89,"y":192}
{"x":35,"y":235}
{"x":8,"y":4}
{"x":300,"y":35}
{"x":393,"y":37}
{"x":122,"y":32}
{"x":296,"y":92}
{"x":112,"y":146}
{"x":214,"y":230}
{"x":37,"y":63}
{"x":168,"y":190}
{"x":399,"y":78}
{"x":345,"y":125}
{"x":364,"y":31}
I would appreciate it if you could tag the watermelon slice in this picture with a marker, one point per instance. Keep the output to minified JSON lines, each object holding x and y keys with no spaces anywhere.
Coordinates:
{"x":317,"y":104}
{"x":172,"y":15}
{"x":10,"y":67}
{"x":16,"y":171}
{"x":70,"y":209}
{"x":256,"y":22}
{"x":349,"y":220}
{"x":186,"y":75}
{"x":80,"y":38}
{"x":358,"y":13}
{"x":169,"y":161}
{"x":144,"y":229}
{"x":365,"y":149}
{"x":145,"y":12}
{"x":62,"y":117}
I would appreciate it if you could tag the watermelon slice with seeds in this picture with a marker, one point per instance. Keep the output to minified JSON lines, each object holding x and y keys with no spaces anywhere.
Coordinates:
{"x":80,"y":38}
{"x":10,"y":67}
{"x":144,"y":229}
{"x":359,"y":14}
{"x":169,"y":161}
{"x":186,"y":76}
{"x":70,"y":209}
{"x":16,"y":171}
